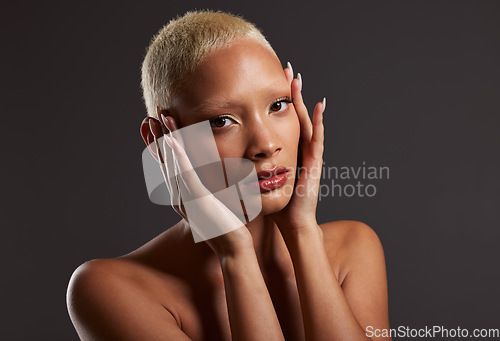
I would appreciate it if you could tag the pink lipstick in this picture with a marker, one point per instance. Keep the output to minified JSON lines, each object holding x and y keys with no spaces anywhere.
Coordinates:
{"x":270,"y":179}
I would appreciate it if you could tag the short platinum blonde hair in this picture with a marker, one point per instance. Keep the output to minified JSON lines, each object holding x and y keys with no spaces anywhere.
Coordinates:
{"x":181,"y":45}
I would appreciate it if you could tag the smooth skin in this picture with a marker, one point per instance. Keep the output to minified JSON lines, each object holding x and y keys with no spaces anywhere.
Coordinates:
{"x":282,"y":276}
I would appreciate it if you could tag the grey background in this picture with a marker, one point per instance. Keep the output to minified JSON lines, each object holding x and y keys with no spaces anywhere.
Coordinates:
{"x":411,"y":85}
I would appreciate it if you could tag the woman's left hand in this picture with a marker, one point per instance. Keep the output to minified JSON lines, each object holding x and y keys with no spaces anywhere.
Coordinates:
{"x":300,"y":213}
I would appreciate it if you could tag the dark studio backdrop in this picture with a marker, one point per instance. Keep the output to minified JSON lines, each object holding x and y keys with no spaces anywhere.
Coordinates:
{"x":411,"y":85}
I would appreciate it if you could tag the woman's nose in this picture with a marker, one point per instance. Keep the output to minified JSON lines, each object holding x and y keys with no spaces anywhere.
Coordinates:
{"x":263,"y":143}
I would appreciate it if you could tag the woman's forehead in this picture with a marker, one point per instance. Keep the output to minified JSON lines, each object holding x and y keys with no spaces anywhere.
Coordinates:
{"x":244,"y":69}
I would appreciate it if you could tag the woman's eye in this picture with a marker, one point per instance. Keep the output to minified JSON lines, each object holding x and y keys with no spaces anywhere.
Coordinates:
{"x":220,"y":122}
{"x":280,"y":105}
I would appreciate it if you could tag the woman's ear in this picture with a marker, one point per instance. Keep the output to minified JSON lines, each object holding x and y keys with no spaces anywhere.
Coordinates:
{"x":148,"y":137}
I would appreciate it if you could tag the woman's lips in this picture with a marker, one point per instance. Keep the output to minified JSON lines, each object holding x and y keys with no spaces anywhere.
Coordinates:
{"x":272,"y":179}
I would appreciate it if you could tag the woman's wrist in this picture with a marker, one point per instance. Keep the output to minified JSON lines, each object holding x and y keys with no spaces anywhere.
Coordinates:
{"x":239,"y":260}
{"x":232,"y":243}
{"x":232,"y":253}
{"x":304,"y":231}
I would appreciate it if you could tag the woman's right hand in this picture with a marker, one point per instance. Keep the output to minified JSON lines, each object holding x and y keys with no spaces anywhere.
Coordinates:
{"x":210,"y":216}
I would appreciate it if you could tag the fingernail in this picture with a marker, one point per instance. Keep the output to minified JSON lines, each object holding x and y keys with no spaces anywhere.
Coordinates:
{"x":288,"y":65}
{"x":155,"y":129}
{"x":168,"y":123}
{"x":299,"y":77}
{"x":324,"y":103}
{"x":164,"y":120}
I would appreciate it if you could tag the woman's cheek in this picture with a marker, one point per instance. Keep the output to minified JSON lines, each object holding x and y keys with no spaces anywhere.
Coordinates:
{"x":225,"y":149}
{"x":230,"y":146}
{"x":291,"y":129}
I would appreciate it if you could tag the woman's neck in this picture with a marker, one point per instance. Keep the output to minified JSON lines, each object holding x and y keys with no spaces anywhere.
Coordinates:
{"x":267,"y":240}
{"x":270,"y":249}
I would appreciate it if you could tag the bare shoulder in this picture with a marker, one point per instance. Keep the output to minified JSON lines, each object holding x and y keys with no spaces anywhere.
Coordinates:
{"x":351,"y":243}
{"x":349,"y":235}
{"x":109,"y":299}
{"x":357,"y":250}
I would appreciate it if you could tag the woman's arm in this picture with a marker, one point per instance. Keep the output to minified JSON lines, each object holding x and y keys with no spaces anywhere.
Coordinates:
{"x":331,"y":312}
{"x":251,"y":311}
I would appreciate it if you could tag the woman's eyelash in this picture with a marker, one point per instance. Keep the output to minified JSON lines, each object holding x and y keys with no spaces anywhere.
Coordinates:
{"x":283,"y":99}
{"x":214,"y":120}
{"x":280,"y":102}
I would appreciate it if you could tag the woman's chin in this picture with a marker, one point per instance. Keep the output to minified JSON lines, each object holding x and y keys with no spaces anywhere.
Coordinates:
{"x":275,"y":200}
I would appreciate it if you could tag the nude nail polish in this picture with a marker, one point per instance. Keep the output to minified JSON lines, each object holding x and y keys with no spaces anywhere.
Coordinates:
{"x":155,"y":128}
{"x":165,"y":122}
{"x":288,"y":65}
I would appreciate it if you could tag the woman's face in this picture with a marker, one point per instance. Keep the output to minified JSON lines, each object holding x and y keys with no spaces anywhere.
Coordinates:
{"x":243,"y":92}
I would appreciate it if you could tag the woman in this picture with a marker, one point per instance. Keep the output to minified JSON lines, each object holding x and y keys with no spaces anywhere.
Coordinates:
{"x":277,"y":276}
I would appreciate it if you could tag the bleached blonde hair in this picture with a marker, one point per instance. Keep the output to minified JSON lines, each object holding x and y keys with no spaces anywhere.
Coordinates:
{"x":181,"y":45}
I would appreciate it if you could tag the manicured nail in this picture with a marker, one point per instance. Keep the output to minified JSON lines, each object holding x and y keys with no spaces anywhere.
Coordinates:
{"x":155,"y":129}
{"x":299,"y":77}
{"x":288,"y":65}
{"x":324,"y":103}
{"x":164,"y":120}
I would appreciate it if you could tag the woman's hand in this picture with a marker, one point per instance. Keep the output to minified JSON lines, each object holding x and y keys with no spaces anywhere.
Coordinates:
{"x":207,"y":216}
{"x":300,"y":213}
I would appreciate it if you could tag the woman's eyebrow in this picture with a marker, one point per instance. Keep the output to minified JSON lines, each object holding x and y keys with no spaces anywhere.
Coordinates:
{"x":213,"y":104}
{"x":217,"y":104}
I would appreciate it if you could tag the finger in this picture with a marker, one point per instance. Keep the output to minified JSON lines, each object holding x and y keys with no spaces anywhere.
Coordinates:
{"x":157,"y":132}
{"x":317,"y":140}
{"x":155,"y":127}
{"x":148,"y":137}
{"x":172,"y":125}
{"x":178,"y":206}
{"x":176,"y":184}
{"x":154,"y":134}
{"x":168,"y":163}
{"x":188,"y":175}
{"x":178,"y":187}
{"x":184,"y":191}
{"x":306,"y":129}
{"x":179,"y":135}
{"x":181,"y":188}
{"x":289,"y":72}
{"x":183,"y":209}
{"x":177,"y":199}
{"x":172,"y":171}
